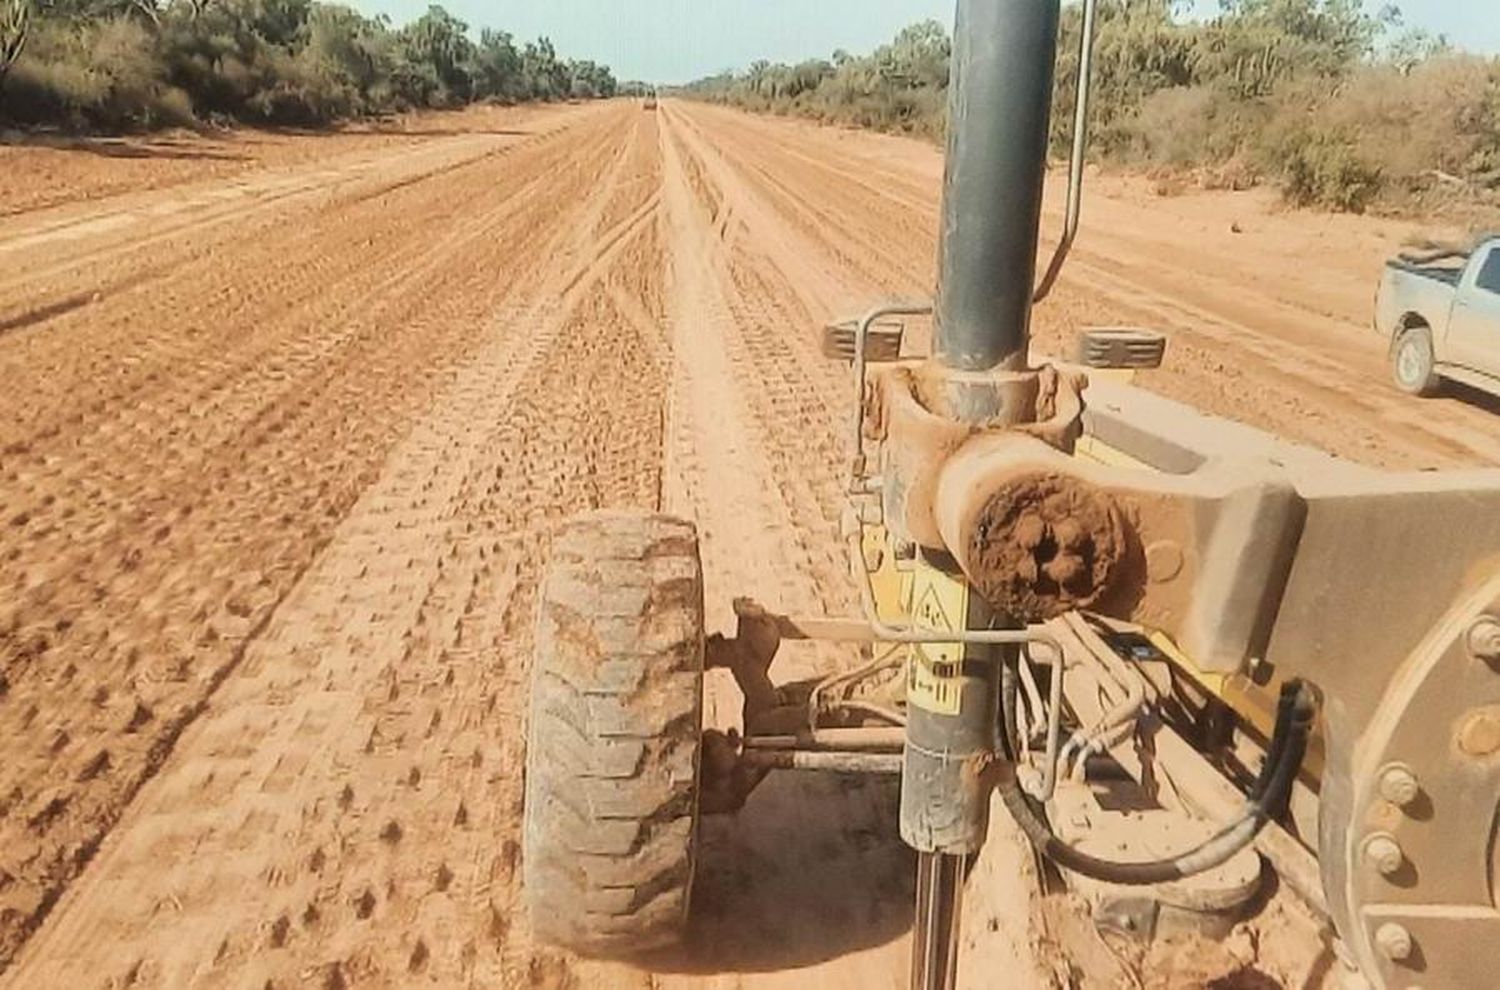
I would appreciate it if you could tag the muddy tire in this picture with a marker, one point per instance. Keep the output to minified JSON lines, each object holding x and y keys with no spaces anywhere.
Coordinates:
{"x":616,"y":727}
{"x":1414,"y":364}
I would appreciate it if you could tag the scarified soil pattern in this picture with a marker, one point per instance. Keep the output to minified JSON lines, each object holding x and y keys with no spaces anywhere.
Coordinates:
{"x":281,"y":452}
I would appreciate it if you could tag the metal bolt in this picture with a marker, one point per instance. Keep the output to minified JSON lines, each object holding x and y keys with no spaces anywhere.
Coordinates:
{"x":1484,"y":640}
{"x":1164,"y":561}
{"x":1383,"y":852}
{"x":1480,"y":734}
{"x":1394,"y":942}
{"x":1398,"y":784}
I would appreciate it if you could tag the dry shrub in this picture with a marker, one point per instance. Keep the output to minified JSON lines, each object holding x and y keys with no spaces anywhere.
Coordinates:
{"x":1173,"y":127}
{"x":1300,"y":92}
{"x":103,"y":74}
{"x":1235,"y":175}
{"x":130,"y":65}
{"x":1386,"y":134}
{"x":1436,"y":117}
{"x":1325,"y":169}
{"x":1167,"y":181}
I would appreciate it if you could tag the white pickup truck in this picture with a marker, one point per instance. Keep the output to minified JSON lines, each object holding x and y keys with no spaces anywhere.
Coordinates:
{"x":1441,"y":312}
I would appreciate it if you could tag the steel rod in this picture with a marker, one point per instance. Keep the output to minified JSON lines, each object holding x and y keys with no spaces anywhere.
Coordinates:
{"x":887,"y":633}
{"x":861,"y":340}
{"x":885,"y":739}
{"x":823,"y":762}
{"x":1080,"y":152}
{"x":934,"y":947}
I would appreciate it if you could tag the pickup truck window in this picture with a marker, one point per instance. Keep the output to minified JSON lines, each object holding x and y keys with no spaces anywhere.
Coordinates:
{"x":1489,"y":275}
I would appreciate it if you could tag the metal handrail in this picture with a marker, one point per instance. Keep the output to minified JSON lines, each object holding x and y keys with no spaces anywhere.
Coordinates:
{"x":1027,"y":637}
{"x":861,"y":337}
{"x":1080,"y":150}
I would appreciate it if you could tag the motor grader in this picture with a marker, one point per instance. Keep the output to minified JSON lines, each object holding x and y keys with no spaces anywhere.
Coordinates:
{"x":1188,"y":658}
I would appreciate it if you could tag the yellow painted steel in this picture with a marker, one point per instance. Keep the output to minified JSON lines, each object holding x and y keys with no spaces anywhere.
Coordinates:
{"x":890,"y":579}
{"x":1090,"y":449}
{"x":912,"y":591}
{"x":1253,"y":703}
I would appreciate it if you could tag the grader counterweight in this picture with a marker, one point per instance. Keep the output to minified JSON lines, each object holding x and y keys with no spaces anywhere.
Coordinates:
{"x":1071,"y":589}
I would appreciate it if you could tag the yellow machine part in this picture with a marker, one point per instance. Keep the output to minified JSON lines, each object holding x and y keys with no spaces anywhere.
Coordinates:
{"x":1254,"y":703}
{"x":913,"y":591}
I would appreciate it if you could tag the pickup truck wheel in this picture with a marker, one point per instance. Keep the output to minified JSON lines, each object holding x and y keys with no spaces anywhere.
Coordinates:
{"x":1415,"y":367}
{"x":613,"y":747}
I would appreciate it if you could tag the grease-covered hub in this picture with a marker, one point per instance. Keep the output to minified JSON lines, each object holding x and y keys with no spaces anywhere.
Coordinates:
{"x":1045,"y":546}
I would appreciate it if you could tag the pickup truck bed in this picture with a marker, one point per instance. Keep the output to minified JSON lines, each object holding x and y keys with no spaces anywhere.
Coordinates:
{"x":1438,"y":273}
{"x":1441,"y":312}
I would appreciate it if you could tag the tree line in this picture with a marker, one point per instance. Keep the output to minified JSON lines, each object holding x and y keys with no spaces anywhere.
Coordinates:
{"x":119,"y":64}
{"x":1340,"y":104}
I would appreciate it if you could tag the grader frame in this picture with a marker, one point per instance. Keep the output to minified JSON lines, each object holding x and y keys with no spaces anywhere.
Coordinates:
{"x":1055,"y":570}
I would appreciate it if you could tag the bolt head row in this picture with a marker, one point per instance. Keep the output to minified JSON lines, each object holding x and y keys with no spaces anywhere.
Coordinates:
{"x":1484,"y":639}
{"x":1394,"y":942}
{"x":1399,"y":785}
{"x":1383,"y":853}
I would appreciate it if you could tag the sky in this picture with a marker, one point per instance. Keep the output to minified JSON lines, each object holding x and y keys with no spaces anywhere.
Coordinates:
{"x":672,"y":41}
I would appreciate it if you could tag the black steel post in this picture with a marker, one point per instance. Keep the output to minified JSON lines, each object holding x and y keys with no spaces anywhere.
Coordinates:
{"x":999,"y":116}
{"x":1000,"y":109}
{"x":945,"y":797}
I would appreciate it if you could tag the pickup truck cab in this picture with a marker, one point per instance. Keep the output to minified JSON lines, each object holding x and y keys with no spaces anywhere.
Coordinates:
{"x":1441,"y":312}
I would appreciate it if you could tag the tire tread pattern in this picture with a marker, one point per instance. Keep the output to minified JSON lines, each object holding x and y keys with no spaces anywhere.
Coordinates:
{"x":613,"y":743}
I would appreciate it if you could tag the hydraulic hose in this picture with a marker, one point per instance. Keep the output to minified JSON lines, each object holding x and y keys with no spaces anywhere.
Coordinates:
{"x":1276,"y":748}
{"x":1010,"y":730}
{"x":1295,"y":715}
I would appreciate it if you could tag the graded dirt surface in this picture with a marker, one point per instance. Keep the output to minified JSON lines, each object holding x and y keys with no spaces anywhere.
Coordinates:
{"x":281,"y":450}
{"x":44,"y":170}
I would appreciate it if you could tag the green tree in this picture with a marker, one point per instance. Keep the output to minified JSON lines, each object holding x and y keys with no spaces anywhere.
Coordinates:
{"x":438,"y":45}
{"x":1257,"y":44}
{"x":495,"y":68}
{"x":918,"y":57}
{"x":1139,"y":50}
{"x":591,"y":81}
{"x":546,"y":78}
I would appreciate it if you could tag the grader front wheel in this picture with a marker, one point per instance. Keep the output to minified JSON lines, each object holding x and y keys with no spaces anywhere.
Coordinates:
{"x":615,"y":734}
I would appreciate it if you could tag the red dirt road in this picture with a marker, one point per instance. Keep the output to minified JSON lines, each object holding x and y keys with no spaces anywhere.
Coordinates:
{"x":281,"y":450}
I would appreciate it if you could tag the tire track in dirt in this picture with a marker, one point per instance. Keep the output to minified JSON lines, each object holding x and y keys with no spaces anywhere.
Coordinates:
{"x":177,"y":534}
{"x":299,"y":287}
{"x":779,"y":281}
{"x":82,"y":243}
{"x":1260,"y":354}
{"x":811,"y":870}
{"x":356,"y":784}
{"x":288,"y":495}
{"x":781,"y":288}
{"x":346,"y":811}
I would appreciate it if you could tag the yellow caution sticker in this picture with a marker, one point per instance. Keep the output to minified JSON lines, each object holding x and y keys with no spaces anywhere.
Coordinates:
{"x":934,"y":679}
